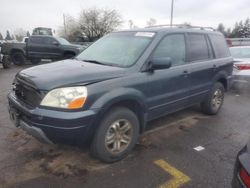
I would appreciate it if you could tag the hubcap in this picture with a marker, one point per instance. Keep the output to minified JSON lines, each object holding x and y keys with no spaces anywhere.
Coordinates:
{"x":118,"y":136}
{"x":217,"y":99}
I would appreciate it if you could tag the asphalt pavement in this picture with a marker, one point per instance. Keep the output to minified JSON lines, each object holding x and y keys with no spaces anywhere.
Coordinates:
{"x":164,"y":156}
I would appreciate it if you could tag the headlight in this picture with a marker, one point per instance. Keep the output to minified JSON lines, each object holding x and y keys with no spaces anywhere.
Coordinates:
{"x":67,"y":98}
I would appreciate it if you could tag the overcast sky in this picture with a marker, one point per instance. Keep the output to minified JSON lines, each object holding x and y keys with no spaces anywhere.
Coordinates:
{"x":28,"y":14}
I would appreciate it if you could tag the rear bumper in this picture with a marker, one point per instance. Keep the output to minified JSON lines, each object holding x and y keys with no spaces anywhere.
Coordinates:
{"x":51,"y":126}
{"x":241,"y":82}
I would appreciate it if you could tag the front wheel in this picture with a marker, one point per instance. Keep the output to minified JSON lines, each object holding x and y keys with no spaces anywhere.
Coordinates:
{"x":214,"y":101}
{"x":116,"y":136}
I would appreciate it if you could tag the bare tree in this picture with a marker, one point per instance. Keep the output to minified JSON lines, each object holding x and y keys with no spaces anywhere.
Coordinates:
{"x":97,"y":22}
{"x":19,"y":34}
{"x":131,"y":24}
{"x":71,"y":29}
{"x":28,"y":34}
{"x":1,"y":36}
{"x":151,"y":22}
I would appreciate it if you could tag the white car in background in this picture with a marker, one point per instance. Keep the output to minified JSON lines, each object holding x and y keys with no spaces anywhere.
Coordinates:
{"x":241,"y":72}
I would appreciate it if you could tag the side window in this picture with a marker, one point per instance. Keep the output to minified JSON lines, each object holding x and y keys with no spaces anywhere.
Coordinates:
{"x":197,"y":47}
{"x":36,"y":40}
{"x":172,"y":46}
{"x":219,"y":45}
{"x":49,"y":41}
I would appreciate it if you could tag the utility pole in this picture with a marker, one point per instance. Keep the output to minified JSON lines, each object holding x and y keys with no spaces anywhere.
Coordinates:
{"x":64,"y":24}
{"x":172,"y":13}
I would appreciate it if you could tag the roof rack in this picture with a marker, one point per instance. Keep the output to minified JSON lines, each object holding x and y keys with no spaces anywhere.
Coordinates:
{"x":183,"y":26}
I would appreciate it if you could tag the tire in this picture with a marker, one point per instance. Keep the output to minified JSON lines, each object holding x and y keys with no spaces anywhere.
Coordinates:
{"x":54,"y":60}
{"x":102,"y":147}
{"x":68,"y":55}
{"x":6,"y":62}
{"x":214,"y":101}
{"x":35,"y":61}
{"x":18,"y":58}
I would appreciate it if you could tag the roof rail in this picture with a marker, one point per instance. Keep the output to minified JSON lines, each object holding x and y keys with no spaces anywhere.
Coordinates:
{"x":183,"y":26}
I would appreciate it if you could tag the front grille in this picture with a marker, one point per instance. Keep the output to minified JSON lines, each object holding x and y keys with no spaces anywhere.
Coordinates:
{"x":27,"y":94}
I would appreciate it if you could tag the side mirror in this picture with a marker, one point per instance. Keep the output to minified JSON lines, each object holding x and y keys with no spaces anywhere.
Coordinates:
{"x":26,"y":40}
{"x":161,"y":63}
{"x":55,"y":43}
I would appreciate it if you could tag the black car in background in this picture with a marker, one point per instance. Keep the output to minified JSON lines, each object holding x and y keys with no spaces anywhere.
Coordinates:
{"x":39,"y":47}
{"x":241,"y":177}
{"x":108,"y":93}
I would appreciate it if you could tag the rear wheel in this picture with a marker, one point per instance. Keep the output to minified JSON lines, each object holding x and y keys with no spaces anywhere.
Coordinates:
{"x":18,"y":58}
{"x":117,"y":135}
{"x":6,"y":62}
{"x":35,"y":61}
{"x":214,"y":101}
{"x":68,"y":55}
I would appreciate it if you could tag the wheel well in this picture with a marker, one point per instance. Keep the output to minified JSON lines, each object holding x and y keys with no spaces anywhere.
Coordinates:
{"x":16,"y":50}
{"x":135,"y":107}
{"x":223,"y":81}
{"x":69,"y":53}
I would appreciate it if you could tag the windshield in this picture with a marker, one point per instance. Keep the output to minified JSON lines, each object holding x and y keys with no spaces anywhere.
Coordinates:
{"x":118,"y":49}
{"x":240,"y":52}
{"x":63,"y":41}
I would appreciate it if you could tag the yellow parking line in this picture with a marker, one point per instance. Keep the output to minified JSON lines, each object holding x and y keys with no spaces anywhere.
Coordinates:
{"x":179,"y":178}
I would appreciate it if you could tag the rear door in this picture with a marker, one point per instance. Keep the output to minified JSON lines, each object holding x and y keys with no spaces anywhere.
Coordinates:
{"x":43,"y":47}
{"x":200,"y":57}
{"x":168,"y":88}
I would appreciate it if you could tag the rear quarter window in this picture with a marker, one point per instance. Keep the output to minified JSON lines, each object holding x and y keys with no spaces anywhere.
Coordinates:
{"x":220,"y":46}
{"x":197,"y":47}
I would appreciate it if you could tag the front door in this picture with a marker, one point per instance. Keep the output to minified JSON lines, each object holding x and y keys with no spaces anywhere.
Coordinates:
{"x":168,"y":88}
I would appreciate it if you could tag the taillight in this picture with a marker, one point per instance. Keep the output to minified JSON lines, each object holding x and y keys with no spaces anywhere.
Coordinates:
{"x":242,"y":66}
{"x":245,"y":177}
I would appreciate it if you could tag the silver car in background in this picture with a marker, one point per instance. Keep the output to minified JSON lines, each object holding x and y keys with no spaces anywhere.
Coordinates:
{"x":241,"y":72}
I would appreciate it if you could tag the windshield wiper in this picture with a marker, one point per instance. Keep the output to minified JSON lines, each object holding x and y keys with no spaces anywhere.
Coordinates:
{"x":99,"y":63}
{"x":94,"y":61}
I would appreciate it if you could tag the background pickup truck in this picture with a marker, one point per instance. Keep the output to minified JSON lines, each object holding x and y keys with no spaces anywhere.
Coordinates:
{"x":40,"y":47}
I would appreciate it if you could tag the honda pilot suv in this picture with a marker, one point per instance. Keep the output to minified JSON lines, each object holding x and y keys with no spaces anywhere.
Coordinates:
{"x":107,"y":94}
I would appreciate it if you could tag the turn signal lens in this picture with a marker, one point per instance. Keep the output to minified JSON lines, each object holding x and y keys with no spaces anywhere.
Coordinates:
{"x":245,"y":177}
{"x":77,"y":103}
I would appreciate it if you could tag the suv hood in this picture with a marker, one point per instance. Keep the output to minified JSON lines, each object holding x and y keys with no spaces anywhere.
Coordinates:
{"x":67,"y":72}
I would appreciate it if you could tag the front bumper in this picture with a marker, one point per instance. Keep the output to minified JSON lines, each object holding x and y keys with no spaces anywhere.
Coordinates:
{"x":51,"y":126}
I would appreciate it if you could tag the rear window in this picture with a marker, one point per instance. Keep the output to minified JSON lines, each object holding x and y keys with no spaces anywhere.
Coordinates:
{"x":36,"y":40}
{"x":220,"y":46}
{"x":197,"y":47}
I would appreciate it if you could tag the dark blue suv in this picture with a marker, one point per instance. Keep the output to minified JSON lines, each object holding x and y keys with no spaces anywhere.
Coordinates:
{"x":107,"y":94}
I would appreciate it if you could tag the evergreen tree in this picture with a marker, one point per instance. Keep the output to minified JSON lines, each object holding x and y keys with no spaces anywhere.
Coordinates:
{"x":221,"y":28}
{"x":8,"y":37}
{"x":1,"y":36}
{"x":246,"y":29}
